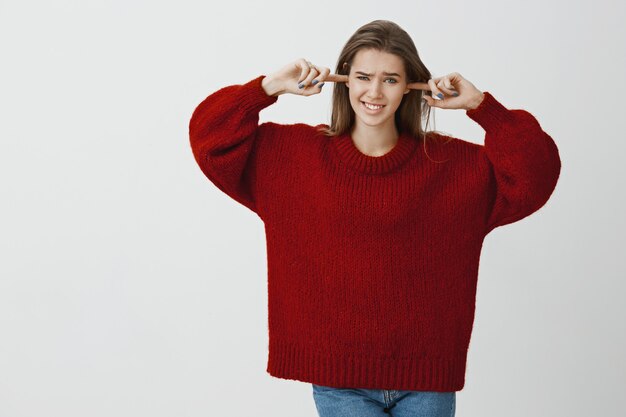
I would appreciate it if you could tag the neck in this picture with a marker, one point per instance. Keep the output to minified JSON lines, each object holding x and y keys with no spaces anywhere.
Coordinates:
{"x":376,"y":140}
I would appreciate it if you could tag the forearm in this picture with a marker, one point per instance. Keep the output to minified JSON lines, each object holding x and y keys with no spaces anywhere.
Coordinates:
{"x":222,"y":132}
{"x":524,"y":160}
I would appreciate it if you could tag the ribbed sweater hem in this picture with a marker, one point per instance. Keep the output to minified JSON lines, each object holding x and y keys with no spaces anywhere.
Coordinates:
{"x":307,"y":364}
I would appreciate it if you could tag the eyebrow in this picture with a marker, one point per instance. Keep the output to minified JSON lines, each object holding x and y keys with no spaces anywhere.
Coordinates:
{"x":385,"y":73}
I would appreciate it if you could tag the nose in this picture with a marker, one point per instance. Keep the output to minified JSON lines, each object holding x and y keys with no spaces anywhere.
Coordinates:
{"x":374,"y":90}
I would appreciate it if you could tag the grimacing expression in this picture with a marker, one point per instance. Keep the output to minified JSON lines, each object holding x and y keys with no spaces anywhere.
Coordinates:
{"x":377,"y":79}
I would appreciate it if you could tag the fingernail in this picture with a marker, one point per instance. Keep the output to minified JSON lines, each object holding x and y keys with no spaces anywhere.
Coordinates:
{"x":300,"y":85}
{"x":439,"y":95}
{"x":321,"y":85}
{"x":455,"y":94}
{"x":314,"y":82}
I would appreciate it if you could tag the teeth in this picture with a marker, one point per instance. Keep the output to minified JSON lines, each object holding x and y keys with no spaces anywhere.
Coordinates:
{"x":369,"y":106}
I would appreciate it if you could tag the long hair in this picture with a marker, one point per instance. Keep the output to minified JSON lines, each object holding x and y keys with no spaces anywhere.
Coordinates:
{"x":384,"y":36}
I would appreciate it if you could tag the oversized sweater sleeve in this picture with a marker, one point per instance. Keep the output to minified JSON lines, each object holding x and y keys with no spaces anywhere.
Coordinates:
{"x":224,"y":131}
{"x":523,"y":161}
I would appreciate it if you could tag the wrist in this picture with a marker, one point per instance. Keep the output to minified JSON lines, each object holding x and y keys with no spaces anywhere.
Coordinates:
{"x":475,"y":103}
{"x":271,"y":86}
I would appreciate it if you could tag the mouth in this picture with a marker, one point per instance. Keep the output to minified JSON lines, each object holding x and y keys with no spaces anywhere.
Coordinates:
{"x":372,"y":108}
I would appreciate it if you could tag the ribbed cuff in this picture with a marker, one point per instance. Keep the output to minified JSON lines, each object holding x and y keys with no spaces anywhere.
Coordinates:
{"x":490,"y":113}
{"x":254,"y":96}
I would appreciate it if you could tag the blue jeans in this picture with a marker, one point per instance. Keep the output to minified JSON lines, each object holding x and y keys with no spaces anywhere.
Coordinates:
{"x":360,"y":402}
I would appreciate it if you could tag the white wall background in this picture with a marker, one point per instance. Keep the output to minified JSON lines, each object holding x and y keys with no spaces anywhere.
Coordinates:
{"x":131,"y":286}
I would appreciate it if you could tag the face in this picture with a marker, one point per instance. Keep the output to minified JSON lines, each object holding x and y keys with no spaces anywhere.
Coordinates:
{"x":376,"y":78}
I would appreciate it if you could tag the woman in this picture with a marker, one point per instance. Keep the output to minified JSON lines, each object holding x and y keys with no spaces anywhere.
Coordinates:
{"x":373,"y":241}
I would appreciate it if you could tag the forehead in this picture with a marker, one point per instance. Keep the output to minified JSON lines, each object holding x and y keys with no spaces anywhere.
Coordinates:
{"x":371,"y":60}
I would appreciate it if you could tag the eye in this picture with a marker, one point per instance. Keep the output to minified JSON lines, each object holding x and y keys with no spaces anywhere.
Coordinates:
{"x":388,"y":79}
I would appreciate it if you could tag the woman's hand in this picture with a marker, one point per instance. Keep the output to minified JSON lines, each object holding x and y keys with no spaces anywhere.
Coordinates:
{"x":298,"y":73}
{"x":457,"y":93}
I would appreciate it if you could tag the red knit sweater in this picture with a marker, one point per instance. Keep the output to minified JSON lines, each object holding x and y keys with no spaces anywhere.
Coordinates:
{"x":372,"y":261}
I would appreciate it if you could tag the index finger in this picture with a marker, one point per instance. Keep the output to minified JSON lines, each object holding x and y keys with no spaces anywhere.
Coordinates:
{"x":339,"y":78}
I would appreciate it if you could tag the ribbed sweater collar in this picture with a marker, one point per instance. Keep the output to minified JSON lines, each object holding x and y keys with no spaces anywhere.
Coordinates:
{"x":350,"y":155}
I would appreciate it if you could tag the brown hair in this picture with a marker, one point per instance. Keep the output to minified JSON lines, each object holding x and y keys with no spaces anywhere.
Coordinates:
{"x":384,"y":36}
